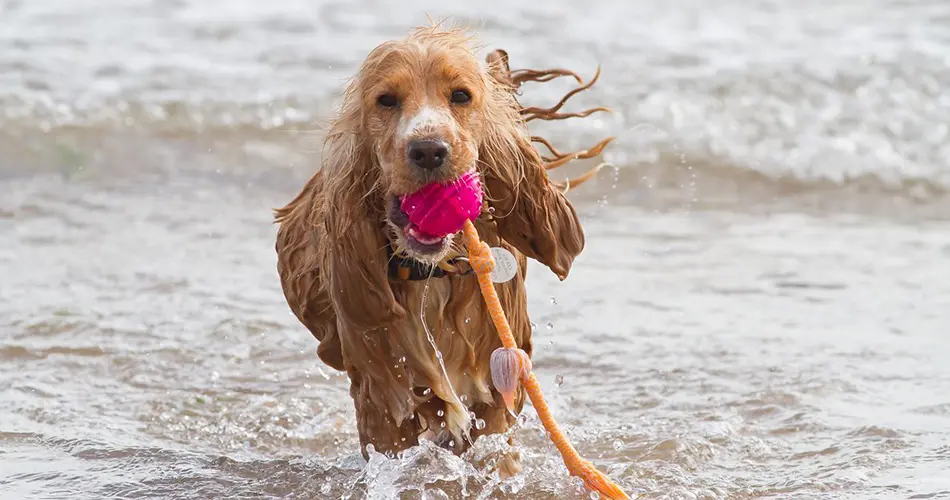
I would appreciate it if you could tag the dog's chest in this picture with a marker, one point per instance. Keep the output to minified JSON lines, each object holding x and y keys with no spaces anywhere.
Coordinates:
{"x":448,"y":333}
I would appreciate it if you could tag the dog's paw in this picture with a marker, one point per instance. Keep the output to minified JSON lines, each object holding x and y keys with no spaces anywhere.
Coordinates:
{"x":509,"y":465}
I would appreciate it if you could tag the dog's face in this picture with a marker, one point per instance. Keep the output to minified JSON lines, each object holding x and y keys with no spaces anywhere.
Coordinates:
{"x":422,"y":111}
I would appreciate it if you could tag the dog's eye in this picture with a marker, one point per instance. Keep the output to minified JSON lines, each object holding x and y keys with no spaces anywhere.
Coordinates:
{"x":387,"y":100}
{"x":461,"y":96}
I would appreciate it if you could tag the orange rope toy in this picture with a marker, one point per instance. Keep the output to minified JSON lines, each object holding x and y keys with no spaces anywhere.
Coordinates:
{"x":516,"y":363}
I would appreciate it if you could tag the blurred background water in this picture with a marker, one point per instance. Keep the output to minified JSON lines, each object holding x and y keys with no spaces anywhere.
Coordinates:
{"x":758,"y":313}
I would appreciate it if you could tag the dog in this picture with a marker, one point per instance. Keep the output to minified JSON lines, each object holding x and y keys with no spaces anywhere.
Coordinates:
{"x":376,"y":294}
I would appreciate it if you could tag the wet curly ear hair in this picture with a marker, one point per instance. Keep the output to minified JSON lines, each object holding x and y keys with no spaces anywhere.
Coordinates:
{"x":531,"y":210}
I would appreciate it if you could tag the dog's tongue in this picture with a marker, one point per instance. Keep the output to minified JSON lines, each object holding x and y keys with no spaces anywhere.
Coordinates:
{"x":438,"y":210}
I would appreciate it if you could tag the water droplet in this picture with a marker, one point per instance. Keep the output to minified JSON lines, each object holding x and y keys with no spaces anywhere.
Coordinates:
{"x":550,"y":326}
{"x":468,"y":320}
{"x":479,"y":424}
{"x":594,"y":495}
{"x":513,"y":485}
{"x":554,"y":300}
{"x":427,"y":392}
{"x":402,"y":359}
{"x":440,"y":413}
{"x":215,"y":375}
{"x":443,"y":425}
{"x":578,"y":484}
{"x":618,"y":444}
{"x":464,"y":398}
{"x":435,"y":495}
{"x":559,"y":380}
{"x":491,"y":210}
{"x":452,"y":444}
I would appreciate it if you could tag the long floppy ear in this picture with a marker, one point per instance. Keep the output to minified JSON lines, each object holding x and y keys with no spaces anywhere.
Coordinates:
{"x":298,"y":265}
{"x":354,"y":256}
{"x":532,"y":213}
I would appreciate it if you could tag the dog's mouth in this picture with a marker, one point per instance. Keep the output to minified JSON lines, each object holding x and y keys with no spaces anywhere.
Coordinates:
{"x":410,"y":239}
{"x":425,"y":221}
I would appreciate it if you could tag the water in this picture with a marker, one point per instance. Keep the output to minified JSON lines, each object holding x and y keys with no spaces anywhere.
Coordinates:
{"x":760,"y":312}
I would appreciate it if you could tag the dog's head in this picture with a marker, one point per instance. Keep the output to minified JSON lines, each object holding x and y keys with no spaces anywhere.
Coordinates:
{"x":419,"y":108}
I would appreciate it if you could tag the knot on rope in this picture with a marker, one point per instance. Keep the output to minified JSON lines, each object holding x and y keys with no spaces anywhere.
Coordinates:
{"x":480,"y":259}
{"x":508,"y":366}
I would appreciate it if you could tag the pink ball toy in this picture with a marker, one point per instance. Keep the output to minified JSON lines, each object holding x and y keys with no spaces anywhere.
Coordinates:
{"x":438,"y":210}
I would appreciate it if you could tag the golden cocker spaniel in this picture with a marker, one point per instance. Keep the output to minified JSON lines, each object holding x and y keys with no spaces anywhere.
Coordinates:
{"x":377,"y":295}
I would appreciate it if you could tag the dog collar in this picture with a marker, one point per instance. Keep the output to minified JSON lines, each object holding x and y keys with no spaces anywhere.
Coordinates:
{"x":406,"y":268}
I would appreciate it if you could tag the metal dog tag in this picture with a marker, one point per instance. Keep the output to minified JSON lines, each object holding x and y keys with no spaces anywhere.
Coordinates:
{"x":506,"y":267}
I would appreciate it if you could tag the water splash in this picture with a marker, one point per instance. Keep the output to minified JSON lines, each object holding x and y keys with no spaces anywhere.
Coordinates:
{"x":425,"y":469}
{"x":429,"y":471}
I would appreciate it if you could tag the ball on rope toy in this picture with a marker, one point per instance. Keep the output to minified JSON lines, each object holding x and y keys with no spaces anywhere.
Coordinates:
{"x":438,"y":209}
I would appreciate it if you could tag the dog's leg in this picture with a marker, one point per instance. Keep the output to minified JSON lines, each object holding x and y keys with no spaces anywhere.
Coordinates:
{"x":378,"y":428}
{"x":432,"y":415}
{"x":497,"y":420}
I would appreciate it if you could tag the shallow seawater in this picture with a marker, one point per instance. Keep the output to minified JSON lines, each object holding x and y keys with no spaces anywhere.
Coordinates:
{"x":761,"y":310}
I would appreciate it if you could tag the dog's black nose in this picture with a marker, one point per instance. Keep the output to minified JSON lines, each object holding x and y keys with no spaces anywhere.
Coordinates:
{"x":428,"y":154}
